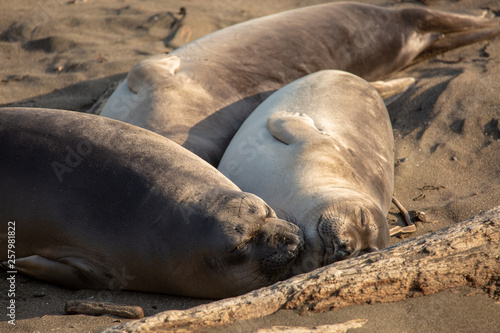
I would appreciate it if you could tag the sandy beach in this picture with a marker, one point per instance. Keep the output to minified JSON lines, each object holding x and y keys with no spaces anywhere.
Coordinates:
{"x":65,"y":54}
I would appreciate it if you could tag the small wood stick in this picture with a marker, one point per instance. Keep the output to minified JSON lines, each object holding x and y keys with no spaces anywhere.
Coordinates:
{"x":101,"y":308}
{"x":410,"y":226}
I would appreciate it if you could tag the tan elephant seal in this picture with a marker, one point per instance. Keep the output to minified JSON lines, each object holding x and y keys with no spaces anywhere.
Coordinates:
{"x":96,"y":203}
{"x":199,"y":94}
{"x":319,"y":151}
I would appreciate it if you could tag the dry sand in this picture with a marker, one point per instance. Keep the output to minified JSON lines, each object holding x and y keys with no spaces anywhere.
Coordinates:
{"x":65,"y":54}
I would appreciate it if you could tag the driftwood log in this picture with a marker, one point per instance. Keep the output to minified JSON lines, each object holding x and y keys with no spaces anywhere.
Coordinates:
{"x":466,"y":254}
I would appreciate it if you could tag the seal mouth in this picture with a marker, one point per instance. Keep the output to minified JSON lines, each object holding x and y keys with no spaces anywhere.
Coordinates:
{"x":342,"y":253}
{"x":336,"y":253}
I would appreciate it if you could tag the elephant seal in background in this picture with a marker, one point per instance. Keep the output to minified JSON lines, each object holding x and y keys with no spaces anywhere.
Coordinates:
{"x":320,"y":152}
{"x":96,"y":203}
{"x":200,"y":94}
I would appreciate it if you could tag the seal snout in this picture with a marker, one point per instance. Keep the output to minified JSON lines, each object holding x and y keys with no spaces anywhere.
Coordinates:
{"x":338,"y":241}
{"x":283,"y":242}
{"x":283,"y":235}
{"x":356,"y":231}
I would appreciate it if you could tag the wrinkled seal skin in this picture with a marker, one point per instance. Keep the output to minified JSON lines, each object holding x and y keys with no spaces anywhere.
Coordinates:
{"x":102,"y":204}
{"x":199,"y":94}
{"x":320,"y":151}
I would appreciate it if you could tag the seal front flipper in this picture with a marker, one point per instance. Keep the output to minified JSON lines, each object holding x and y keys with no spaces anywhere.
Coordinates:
{"x":148,"y":74}
{"x":391,"y":90}
{"x":73,"y":273}
{"x":291,"y":127}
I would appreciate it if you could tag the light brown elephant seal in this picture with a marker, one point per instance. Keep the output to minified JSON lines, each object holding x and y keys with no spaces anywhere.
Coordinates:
{"x":320,"y":151}
{"x":199,"y":94}
{"x":96,"y":203}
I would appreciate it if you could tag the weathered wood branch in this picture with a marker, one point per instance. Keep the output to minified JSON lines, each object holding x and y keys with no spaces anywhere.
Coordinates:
{"x":335,"y":328}
{"x":93,"y":308}
{"x":466,"y":254}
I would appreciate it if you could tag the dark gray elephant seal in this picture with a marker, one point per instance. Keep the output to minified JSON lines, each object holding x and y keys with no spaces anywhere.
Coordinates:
{"x":96,"y":203}
{"x":199,"y":94}
{"x":320,"y":151}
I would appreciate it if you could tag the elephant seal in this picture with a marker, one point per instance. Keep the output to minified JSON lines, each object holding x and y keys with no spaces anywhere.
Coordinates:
{"x":200,"y":94}
{"x":95,"y":203}
{"x":320,"y":151}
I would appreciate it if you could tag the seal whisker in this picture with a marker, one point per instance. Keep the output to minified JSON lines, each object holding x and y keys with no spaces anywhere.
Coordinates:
{"x":258,"y":279}
{"x":288,"y":216}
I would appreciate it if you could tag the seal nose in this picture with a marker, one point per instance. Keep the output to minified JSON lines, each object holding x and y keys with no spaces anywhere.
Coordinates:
{"x":283,"y":234}
{"x":341,"y":251}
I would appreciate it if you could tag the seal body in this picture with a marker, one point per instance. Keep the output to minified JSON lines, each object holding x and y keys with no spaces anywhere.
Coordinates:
{"x":96,"y":203}
{"x":199,"y":94}
{"x":320,"y":152}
